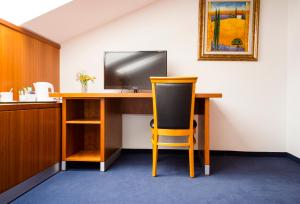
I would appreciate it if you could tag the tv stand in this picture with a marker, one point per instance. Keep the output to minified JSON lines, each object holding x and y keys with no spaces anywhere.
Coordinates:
{"x":135,"y":89}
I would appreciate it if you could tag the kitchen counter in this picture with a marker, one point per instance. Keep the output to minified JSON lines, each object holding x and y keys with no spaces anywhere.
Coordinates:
{"x":30,"y":145}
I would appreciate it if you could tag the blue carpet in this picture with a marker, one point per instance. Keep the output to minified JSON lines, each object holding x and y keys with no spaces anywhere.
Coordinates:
{"x":234,"y":180}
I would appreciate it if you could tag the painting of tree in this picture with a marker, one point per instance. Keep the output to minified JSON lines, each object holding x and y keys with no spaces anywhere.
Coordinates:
{"x":229,"y":28}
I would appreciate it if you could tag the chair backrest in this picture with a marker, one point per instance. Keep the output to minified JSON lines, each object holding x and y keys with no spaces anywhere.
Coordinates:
{"x":173,"y":102}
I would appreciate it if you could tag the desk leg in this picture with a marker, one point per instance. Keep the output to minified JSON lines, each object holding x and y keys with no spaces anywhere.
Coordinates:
{"x":206,"y":139}
{"x":64,"y":135}
{"x":105,"y":165}
{"x":63,"y":166}
{"x":111,"y":131}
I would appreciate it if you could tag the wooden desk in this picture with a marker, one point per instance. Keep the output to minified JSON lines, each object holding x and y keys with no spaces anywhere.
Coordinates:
{"x":97,"y":118}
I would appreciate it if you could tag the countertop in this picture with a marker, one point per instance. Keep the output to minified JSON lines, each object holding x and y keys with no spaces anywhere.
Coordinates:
{"x":17,"y":105}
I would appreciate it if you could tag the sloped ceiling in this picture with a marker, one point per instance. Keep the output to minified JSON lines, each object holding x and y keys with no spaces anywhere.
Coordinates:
{"x":80,"y":16}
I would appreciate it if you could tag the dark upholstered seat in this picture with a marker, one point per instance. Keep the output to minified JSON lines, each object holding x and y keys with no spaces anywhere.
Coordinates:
{"x":173,"y":115}
{"x":152,"y":124}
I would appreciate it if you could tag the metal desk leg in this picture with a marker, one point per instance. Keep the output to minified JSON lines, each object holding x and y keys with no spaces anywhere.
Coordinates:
{"x":63,"y":165}
{"x":105,"y":165}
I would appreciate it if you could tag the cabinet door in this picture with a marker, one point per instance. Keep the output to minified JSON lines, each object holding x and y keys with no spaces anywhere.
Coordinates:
{"x":49,"y":140}
{"x":29,"y":143}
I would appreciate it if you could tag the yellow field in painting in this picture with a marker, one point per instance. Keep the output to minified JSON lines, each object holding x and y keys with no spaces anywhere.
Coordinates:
{"x":230,"y":29}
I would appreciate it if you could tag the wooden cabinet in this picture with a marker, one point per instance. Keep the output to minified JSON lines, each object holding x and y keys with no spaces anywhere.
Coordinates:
{"x":91,"y":129}
{"x":30,"y":134}
{"x":81,"y":130}
{"x":25,"y":58}
{"x":30,"y":141}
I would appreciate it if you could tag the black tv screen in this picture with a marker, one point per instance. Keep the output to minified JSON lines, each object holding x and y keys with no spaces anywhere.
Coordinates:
{"x":131,"y":70}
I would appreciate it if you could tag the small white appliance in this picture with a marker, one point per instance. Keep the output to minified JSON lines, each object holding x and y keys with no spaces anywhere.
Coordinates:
{"x":6,"y":96}
{"x":42,"y":91}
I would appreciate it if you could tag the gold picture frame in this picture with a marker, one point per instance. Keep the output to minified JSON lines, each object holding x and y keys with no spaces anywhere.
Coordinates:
{"x":228,"y":30}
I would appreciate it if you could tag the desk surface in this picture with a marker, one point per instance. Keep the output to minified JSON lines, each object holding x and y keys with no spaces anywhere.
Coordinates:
{"x":124,"y":95}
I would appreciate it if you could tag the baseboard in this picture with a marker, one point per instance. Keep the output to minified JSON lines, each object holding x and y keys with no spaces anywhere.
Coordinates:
{"x":28,"y":184}
{"x":247,"y":154}
{"x":217,"y":153}
{"x":293,"y":157}
{"x":149,"y":151}
{"x":212,"y":152}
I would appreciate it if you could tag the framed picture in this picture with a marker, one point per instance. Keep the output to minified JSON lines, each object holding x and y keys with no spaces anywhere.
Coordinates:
{"x":228,"y":30}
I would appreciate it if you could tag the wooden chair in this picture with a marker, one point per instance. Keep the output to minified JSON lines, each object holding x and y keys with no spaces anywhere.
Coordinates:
{"x":173,"y":110}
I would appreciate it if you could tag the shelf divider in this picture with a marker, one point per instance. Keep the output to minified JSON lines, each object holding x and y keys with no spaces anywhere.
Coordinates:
{"x":84,"y":121}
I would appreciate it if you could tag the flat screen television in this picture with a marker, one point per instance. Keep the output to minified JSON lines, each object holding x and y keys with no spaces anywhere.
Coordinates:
{"x":131,"y":70}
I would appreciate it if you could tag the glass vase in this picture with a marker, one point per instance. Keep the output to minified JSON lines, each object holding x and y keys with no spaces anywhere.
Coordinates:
{"x":84,"y":88}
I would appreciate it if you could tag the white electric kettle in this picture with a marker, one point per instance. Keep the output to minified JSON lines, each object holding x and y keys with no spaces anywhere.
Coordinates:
{"x":42,"y":90}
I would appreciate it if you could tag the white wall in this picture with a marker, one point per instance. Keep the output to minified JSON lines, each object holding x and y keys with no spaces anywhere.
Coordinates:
{"x":251,"y":115}
{"x":293,"y":82}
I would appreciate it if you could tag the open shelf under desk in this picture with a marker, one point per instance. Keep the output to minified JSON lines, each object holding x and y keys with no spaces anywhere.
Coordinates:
{"x":85,"y":156}
{"x":84,"y":121}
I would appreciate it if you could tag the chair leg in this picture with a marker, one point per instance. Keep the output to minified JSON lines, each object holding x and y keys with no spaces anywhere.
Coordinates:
{"x":191,"y":156}
{"x":154,"y":155}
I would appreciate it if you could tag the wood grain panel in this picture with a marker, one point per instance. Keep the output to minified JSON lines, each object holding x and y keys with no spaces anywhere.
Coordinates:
{"x":81,"y":139}
{"x":74,"y":139}
{"x":145,"y":106}
{"x":91,"y":109}
{"x":25,"y":59}
{"x":27,"y":106}
{"x":199,"y":105}
{"x":74,"y":109}
{"x":206,"y":133}
{"x":85,"y":156}
{"x":4,"y":150}
{"x":49,"y":138}
{"x":91,"y":137}
{"x":136,"y":105}
{"x":102,"y":129}
{"x":83,"y":109}
{"x":29,"y":143}
{"x":113,"y":127}
{"x":28,"y":33}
